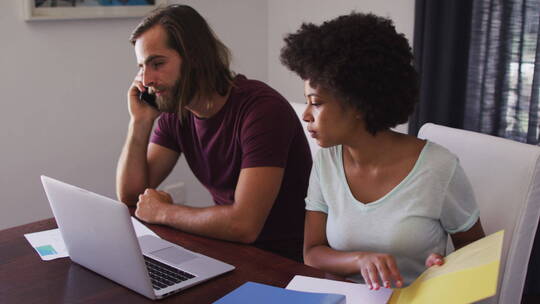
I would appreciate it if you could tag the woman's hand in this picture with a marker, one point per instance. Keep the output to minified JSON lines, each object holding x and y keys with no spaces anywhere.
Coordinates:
{"x":434,"y":259}
{"x":379,"y":265}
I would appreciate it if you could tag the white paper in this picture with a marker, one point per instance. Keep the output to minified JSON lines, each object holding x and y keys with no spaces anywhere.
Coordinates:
{"x":355,"y":293}
{"x":50,"y":245}
{"x":141,"y":229}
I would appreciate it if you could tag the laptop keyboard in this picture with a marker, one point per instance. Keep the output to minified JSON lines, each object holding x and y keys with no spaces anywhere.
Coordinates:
{"x":163,"y":275}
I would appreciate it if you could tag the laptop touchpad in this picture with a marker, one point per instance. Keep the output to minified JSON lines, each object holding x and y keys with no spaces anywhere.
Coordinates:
{"x":173,"y":255}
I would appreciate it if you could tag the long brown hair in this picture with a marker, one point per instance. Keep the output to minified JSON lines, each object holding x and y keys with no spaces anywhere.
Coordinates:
{"x":205,"y":59}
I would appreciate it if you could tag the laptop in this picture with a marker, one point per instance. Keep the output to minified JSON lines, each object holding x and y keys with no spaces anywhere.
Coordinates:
{"x":99,"y":235}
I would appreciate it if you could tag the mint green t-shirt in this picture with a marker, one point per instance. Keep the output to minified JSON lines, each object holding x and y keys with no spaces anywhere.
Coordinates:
{"x":410,"y":222}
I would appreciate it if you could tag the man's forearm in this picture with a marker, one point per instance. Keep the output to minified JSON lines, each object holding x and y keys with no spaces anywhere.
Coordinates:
{"x":217,"y":222}
{"x":132,"y":170}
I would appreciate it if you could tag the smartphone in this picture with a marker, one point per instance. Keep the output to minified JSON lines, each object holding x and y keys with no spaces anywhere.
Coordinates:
{"x":150,"y":99}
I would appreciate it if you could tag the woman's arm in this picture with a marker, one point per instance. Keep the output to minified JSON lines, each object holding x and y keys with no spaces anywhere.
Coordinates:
{"x":459,"y":240}
{"x":464,"y":238}
{"x":372,"y":266}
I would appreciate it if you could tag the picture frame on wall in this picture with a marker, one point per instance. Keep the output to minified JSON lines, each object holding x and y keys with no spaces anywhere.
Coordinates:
{"x":87,"y":9}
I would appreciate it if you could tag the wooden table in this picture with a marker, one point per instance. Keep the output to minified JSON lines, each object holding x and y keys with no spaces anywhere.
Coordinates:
{"x":25,"y":278}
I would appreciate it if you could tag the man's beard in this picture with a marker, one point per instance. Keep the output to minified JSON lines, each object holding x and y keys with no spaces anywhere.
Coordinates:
{"x":169,"y":102}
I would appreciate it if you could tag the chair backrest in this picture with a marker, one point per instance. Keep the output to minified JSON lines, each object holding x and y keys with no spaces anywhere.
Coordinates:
{"x":505,"y":177}
{"x":299,"y":109}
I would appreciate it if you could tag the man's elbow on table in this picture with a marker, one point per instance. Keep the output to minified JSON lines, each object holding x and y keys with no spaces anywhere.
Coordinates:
{"x":246,"y":233}
{"x":126,"y":198}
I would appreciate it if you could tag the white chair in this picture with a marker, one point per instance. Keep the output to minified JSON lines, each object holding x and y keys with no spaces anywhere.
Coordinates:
{"x":506,"y":181}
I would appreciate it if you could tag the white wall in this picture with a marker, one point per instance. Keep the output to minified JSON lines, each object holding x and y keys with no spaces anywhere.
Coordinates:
{"x":286,"y":16}
{"x":63,"y":109}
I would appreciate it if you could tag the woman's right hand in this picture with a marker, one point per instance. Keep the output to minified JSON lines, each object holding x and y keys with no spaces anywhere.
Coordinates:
{"x":138,"y":109}
{"x":379,"y":270}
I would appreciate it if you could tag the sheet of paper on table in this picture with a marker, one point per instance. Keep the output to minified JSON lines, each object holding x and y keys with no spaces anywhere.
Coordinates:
{"x":354,"y":293}
{"x":50,"y":245}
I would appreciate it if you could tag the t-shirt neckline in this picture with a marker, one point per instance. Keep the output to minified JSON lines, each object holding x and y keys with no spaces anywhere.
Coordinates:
{"x":385,"y":197}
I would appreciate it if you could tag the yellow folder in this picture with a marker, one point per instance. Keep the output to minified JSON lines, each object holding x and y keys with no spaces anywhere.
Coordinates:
{"x":468,"y":275}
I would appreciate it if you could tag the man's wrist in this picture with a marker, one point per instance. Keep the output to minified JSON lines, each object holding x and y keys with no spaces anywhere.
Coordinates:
{"x":163,"y":214}
{"x":139,"y":131}
{"x":141,"y":124}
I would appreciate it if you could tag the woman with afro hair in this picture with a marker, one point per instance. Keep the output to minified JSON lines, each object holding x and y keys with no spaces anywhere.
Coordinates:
{"x":380,"y":204}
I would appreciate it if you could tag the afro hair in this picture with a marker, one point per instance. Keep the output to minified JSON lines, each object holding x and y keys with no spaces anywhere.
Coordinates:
{"x":363,"y":61}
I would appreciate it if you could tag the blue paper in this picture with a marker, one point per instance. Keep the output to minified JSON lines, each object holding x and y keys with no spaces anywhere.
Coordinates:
{"x":258,"y":293}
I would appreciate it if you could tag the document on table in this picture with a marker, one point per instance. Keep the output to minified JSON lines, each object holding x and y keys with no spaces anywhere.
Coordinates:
{"x":141,"y":229}
{"x":50,"y":245}
{"x":468,"y":275}
{"x":354,"y":293}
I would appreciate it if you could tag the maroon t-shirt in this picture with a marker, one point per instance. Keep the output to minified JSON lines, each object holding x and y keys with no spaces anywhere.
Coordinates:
{"x":256,"y":127}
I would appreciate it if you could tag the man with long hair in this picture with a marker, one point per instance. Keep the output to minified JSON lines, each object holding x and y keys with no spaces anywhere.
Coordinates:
{"x":240,"y":137}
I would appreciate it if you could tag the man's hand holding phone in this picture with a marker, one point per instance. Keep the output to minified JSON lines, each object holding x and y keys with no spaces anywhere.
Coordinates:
{"x":139,"y":109}
{"x":149,"y":98}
